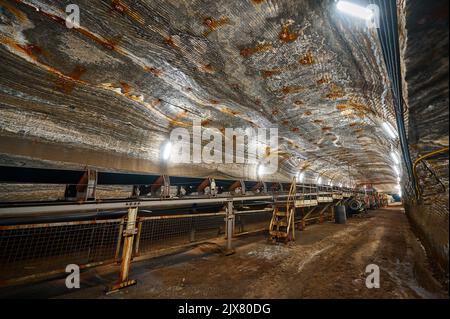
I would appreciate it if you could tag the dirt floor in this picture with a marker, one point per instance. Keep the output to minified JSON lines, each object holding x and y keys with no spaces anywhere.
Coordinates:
{"x":325,"y":261}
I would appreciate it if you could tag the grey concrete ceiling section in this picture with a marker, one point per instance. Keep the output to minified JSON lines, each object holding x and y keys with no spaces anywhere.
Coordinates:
{"x":135,"y":70}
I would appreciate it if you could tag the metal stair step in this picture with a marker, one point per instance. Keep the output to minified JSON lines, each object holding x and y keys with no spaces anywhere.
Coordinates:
{"x":279,"y":234}
{"x":281,"y":223}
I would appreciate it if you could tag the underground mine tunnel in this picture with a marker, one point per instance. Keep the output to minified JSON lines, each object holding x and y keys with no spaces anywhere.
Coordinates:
{"x":251,"y":149}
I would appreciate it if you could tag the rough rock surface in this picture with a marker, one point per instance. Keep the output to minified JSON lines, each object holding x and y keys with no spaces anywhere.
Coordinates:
{"x":135,"y":70}
{"x":426,"y":63}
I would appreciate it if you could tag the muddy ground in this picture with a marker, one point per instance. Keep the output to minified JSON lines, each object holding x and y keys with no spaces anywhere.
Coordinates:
{"x":325,"y":261}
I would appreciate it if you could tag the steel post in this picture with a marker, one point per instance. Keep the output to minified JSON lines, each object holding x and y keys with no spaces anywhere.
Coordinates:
{"x":138,"y":237}
{"x":230,"y":219}
{"x":128,"y":234}
{"x":332,"y":213}
{"x":119,"y":241}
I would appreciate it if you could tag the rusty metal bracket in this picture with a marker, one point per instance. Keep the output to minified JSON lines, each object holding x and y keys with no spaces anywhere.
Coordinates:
{"x":85,"y":188}
{"x":166,"y":186}
{"x":138,"y":237}
{"x":320,"y":218}
{"x":127,"y":252}
{"x":309,"y":213}
{"x":119,"y":241}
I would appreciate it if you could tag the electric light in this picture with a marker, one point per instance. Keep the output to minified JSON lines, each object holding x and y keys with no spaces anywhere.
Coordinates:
{"x":390,"y":130}
{"x":395,"y":158}
{"x":261,"y":170}
{"x":301,"y":176}
{"x":399,"y":190}
{"x":355,"y":10}
{"x":167,"y":151}
{"x":397,"y":171}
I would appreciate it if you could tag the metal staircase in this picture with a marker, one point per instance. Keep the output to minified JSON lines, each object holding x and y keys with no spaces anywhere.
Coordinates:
{"x":282,"y":224}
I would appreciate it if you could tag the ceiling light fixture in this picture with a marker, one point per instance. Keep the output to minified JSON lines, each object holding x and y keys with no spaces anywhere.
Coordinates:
{"x":397,"y":171}
{"x":261,"y":170}
{"x":301,"y":176}
{"x":167,"y":151}
{"x":355,"y":10}
{"x":390,"y":130}
{"x":395,"y":158}
{"x":399,"y":188}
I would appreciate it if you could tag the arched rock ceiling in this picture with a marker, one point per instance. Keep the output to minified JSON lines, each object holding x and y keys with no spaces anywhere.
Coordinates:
{"x":137,"y":69}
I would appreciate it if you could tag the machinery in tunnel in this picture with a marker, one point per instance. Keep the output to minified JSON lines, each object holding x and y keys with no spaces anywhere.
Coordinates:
{"x":192,"y":208}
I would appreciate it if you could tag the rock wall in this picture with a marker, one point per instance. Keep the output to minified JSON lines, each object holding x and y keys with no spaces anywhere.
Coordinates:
{"x":426,"y":62}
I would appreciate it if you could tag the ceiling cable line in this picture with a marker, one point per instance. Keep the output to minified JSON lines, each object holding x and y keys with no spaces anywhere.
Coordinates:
{"x":386,"y":54}
{"x":396,"y":59}
{"x":389,"y":39}
{"x":389,"y":58}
